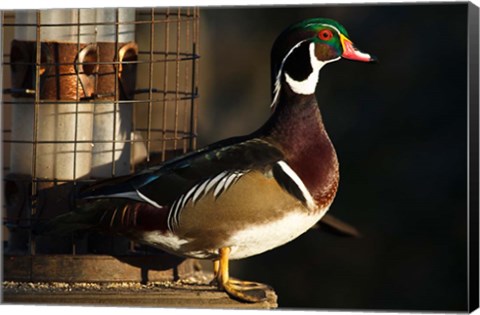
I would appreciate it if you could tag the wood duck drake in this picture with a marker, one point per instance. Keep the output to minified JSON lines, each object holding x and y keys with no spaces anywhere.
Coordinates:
{"x":241,"y":196}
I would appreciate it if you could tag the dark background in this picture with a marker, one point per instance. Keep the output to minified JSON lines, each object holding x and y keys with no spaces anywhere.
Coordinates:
{"x":400,"y":131}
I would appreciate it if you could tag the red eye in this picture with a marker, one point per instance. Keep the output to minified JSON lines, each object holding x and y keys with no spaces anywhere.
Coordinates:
{"x":325,"y":34}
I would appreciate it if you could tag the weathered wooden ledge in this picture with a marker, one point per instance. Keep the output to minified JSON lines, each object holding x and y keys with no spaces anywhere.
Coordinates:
{"x":115,"y":281}
{"x":95,"y":268}
{"x":178,"y":294}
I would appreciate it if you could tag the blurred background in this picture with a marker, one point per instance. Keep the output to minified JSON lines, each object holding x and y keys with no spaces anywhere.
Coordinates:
{"x":400,"y":131}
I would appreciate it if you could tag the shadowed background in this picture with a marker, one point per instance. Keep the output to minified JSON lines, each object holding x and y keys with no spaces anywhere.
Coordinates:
{"x":400,"y":131}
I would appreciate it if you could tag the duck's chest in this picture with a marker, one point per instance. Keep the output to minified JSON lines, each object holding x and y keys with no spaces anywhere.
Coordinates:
{"x":310,"y":154}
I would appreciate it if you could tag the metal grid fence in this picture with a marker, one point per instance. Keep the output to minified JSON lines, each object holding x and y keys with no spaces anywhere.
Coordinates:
{"x":90,"y":94}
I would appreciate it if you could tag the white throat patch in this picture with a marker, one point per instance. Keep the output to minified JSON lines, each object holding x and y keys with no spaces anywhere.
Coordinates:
{"x":306,"y":86}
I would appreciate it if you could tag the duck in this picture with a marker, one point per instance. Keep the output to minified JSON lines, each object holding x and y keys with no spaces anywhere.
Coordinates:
{"x":244,"y":195}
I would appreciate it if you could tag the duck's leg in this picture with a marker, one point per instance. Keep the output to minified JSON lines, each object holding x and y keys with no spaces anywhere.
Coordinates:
{"x":241,"y":290}
{"x":216,"y":268}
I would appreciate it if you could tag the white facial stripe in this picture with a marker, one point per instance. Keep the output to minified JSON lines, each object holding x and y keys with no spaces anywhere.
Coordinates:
{"x":331,"y":26}
{"x":298,"y":181}
{"x":278,"y":78}
{"x":327,"y":25}
{"x":277,"y":85}
{"x":308,"y":85}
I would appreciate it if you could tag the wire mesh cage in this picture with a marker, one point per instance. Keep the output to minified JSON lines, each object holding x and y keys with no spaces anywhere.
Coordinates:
{"x":90,"y":94}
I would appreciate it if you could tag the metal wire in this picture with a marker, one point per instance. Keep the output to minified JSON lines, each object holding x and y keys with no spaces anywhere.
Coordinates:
{"x":150,"y":83}
{"x":163,"y":101}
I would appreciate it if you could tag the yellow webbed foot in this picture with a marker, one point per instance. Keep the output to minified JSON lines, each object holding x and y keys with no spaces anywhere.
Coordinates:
{"x":245,"y":291}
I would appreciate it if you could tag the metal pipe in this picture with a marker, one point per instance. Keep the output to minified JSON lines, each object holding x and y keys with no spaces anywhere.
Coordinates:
{"x":64,"y":124}
{"x":113,"y":121}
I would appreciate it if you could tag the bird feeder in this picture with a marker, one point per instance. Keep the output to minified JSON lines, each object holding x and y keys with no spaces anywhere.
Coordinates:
{"x":90,"y":94}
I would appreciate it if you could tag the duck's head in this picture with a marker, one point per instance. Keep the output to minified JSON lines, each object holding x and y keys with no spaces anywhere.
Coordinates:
{"x":304,"y":48}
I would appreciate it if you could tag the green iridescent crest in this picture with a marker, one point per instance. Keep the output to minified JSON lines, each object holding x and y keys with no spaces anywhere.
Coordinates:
{"x":317,"y":23}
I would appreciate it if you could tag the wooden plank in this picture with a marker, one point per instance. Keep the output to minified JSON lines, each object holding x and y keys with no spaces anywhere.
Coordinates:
{"x":95,"y":268}
{"x":17,"y":268}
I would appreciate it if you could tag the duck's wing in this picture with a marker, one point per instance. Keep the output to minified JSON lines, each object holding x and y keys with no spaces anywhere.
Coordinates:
{"x":214,"y":166}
